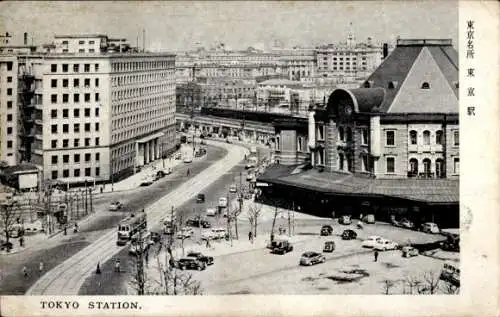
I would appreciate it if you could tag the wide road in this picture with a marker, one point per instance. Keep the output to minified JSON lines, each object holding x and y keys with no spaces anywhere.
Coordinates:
{"x":68,"y":277}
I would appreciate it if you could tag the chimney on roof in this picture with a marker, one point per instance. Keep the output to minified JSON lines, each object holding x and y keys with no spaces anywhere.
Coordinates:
{"x":25,"y":38}
{"x":385,"y":51}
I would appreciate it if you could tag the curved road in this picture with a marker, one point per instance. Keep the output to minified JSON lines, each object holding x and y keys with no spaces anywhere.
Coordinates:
{"x":68,"y":277}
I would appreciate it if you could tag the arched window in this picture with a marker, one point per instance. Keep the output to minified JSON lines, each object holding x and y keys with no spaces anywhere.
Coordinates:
{"x":349,"y":134}
{"x":439,"y":168}
{"x":427,"y":137}
{"x":425,"y":85}
{"x":439,"y":137}
{"x":349,"y":163}
{"x":413,"y":137}
{"x":413,"y":167}
{"x":427,"y":166}
{"x":341,"y":133}
{"x":341,"y":161}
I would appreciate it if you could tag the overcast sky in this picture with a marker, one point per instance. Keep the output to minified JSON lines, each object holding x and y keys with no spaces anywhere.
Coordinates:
{"x":178,"y":25}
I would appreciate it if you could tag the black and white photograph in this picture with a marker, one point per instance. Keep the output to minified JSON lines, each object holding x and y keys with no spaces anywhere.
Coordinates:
{"x":232,"y":148}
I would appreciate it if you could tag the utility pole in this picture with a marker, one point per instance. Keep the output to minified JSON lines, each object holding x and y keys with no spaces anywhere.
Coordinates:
{"x":91,"y":205}
{"x":86,"y":201}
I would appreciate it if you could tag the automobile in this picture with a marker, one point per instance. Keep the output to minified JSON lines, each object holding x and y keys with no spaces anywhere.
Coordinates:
{"x":250,"y":176}
{"x":450,"y":273}
{"x":326,"y":230}
{"x":208,"y":260}
{"x":198,"y":222}
{"x":178,"y":156}
{"x":223,"y":202}
{"x":200,"y":198}
{"x":370,"y":218}
{"x":345,"y":220}
{"x":310,"y":258}
{"x":135,"y":248}
{"x":214,"y":234}
{"x":202,"y":142}
{"x":167,"y":171}
{"x":233,"y":188}
{"x":211,"y":212}
{"x":349,"y":234}
{"x":190,"y":263}
{"x":329,"y":246}
{"x":116,"y":205}
{"x":384,"y":245}
{"x":282,"y":247}
{"x":408,"y":251}
{"x":185,"y":233}
{"x":147,"y":181}
{"x":228,"y":141}
{"x":370,"y":242}
{"x":249,"y":165}
{"x":34,"y":227}
{"x":155,"y":237}
{"x":188,"y":159}
{"x":160,"y":174}
{"x":430,"y":227}
{"x":405,"y":223}
{"x":7,"y":246}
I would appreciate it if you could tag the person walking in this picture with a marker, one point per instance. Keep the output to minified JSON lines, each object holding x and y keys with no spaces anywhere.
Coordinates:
{"x":25,"y":271}
{"x":250,"y":236}
{"x":21,"y":241}
{"x":375,"y":255}
{"x":40,"y":267}
{"x":188,"y":172}
{"x":117,"y":266}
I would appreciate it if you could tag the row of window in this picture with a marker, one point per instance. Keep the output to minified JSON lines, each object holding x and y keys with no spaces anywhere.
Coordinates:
{"x":54,"y":160}
{"x":9,"y":79}
{"x":76,"y":68}
{"x":76,"y":128}
{"x":143,"y":65}
{"x":76,"y":113}
{"x":80,"y":42}
{"x":76,"y":172}
{"x":126,"y":121}
{"x":141,"y":92}
{"x":54,"y":144}
{"x":125,"y":80}
{"x":76,"y":83}
{"x":135,"y":130}
{"x":76,"y":98}
{"x":145,"y":104}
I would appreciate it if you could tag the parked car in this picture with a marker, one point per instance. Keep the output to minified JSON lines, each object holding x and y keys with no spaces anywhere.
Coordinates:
{"x":7,"y":246}
{"x":114,"y":206}
{"x":146,"y":181}
{"x":34,"y":227}
{"x":198,"y":222}
{"x":370,"y":218}
{"x":408,"y":251}
{"x":349,"y":234}
{"x":190,"y":263}
{"x":187,"y":159}
{"x":214,"y":234}
{"x":200,"y":198}
{"x":282,"y":247}
{"x":233,"y":188}
{"x":371,"y":241}
{"x":450,"y":273}
{"x":310,"y":258}
{"x":329,"y":246}
{"x":250,"y":176}
{"x":345,"y":220}
{"x":384,"y":245}
{"x":211,"y":212}
{"x":405,"y":223}
{"x":185,"y":233}
{"x":208,"y":260}
{"x":326,"y":230}
{"x":223,"y":202}
{"x":430,"y":227}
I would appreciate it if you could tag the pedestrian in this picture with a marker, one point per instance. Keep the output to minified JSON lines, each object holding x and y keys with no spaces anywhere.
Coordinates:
{"x":65,"y":229}
{"x":188,"y":172}
{"x":25,"y":271}
{"x":250,"y":236}
{"x":272,"y":237}
{"x":146,"y":256}
{"x":102,"y":188}
{"x":75,"y":230}
{"x":376,"y":255}
{"x":21,"y":241}
{"x":208,"y":243}
{"x":117,"y":266}
{"x":40,"y":267}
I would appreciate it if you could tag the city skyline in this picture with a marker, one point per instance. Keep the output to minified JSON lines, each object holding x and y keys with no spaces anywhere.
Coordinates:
{"x":207,"y":23}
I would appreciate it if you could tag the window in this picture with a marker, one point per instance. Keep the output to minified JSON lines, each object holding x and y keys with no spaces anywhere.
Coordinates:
{"x":349,"y":134}
{"x":81,"y":42}
{"x":76,"y":127}
{"x":427,"y":166}
{"x":87,"y":112}
{"x":53,"y":144}
{"x":9,"y":91}
{"x":91,"y":42}
{"x":76,"y":98}
{"x":76,"y":172}
{"x":76,"y":158}
{"x":97,"y":171}
{"x":97,"y":157}
{"x":53,"y":128}
{"x":53,"y":98}
{"x":53,"y":68}
{"x":87,"y":141}
{"x":65,"y":68}
{"x":341,"y":133}
{"x":96,"y":141}
{"x":456,"y":165}
{"x":97,"y":82}
{"x":76,"y":82}
{"x":65,"y":128}
{"x":53,"y":83}
{"x":9,"y":130}
{"x":87,"y":127}
{"x":76,"y":113}
{"x":53,"y":113}
{"x":413,"y":137}
{"x":66,"y":158}
{"x":364,"y":163}
{"x":427,"y":137}
{"x":97,"y":96}
{"x":439,"y":168}
{"x":87,"y":157}
{"x":9,"y":144}
{"x":76,"y":68}
{"x":456,"y":139}
{"x":96,"y":67}
{"x":87,"y":171}
{"x":54,"y":159}
{"x":97,"y":112}
{"x":54,"y":175}
{"x":9,"y":104}
{"x":86,"y":82}
{"x":76,"y":142}
{"x":65,"y":173}
{"x":91,"y":50}
{"x":86,"y":68}
{"x":413,"y":167}
{"x":425,"y":85}
{"x":81,"y":50}
{"x":390,"y":164}
{"x":97,"y":126}
{"x":87,"y":97}
{"x":364,"y":136}
{"x":439,"y":137}
{"x":389,"y":138}
{"x":341,"y":161}
{"x":65,"y":98}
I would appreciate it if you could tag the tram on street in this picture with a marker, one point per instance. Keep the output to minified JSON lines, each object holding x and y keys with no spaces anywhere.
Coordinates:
{"x":131,"y":225}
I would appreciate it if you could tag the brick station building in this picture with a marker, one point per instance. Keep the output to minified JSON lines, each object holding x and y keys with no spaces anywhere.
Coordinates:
{"x":389,"y":147}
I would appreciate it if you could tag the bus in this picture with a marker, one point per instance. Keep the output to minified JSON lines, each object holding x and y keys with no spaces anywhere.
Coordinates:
{"x":450,"y":273}
{"x":129,"y":226}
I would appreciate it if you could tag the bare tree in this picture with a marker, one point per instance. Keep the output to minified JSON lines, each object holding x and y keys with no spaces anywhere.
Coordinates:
{"x":413,"y":284}
{"x":276,"y":212}
{"x":9,"y":215}
{"x":388,"y":285}
{"x":431,"y":282}
{"x":254,"y":213}
{"x":450,"y":289}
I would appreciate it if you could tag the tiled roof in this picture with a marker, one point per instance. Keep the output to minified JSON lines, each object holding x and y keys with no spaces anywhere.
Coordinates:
{"x":447,"y":59}
{"x":425,"y":190}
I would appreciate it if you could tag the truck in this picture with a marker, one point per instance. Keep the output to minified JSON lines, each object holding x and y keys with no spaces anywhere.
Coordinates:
{"x":131,"y":225}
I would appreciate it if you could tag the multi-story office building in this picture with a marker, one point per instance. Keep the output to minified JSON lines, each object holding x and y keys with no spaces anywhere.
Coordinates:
{"x":9,"y":115}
